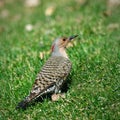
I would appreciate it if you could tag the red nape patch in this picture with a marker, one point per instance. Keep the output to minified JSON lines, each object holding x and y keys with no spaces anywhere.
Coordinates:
{"x":52,"y":48}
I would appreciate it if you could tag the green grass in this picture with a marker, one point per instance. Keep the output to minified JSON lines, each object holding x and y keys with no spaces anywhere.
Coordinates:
{"x":94,"y":91}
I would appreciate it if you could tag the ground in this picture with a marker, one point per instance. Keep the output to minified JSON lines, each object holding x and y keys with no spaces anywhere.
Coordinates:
{"x":94,"y":83}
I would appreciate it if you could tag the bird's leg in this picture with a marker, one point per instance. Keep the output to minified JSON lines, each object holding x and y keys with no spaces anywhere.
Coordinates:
{"x":57,"y":93}
{"x":58,"y":86}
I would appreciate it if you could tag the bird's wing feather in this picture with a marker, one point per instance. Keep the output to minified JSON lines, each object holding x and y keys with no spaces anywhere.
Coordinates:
{"x":55,"y":68}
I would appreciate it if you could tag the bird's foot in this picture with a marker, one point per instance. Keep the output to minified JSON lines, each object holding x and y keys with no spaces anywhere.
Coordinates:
{"x":56,"y":97}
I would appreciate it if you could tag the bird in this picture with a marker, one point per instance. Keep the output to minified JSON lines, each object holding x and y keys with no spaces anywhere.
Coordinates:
{"x":53,"y":74}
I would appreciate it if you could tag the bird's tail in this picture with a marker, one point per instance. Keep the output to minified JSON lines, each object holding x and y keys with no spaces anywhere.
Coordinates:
{"x":23,"y":104}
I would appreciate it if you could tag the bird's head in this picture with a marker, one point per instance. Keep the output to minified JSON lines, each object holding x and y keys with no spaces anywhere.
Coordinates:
{"x":59,"y":45}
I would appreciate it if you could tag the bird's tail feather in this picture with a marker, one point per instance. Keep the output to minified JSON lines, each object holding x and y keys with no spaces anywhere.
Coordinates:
{"x":23,"y":104}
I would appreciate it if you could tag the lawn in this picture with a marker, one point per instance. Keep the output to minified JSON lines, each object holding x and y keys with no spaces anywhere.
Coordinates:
{"x":94,"y":82}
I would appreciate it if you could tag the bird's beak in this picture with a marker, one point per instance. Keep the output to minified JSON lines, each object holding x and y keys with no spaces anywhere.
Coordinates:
{"x":72,"y":37}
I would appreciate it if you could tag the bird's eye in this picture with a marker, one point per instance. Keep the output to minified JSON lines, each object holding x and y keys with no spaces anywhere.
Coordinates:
{"x":64,"y":39}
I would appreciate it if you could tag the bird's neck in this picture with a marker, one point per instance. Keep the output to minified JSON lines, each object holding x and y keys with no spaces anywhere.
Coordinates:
{"x":60,"y":52}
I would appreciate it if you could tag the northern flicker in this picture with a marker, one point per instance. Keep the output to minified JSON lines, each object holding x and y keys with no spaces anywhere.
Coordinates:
{"x":53,"y":73}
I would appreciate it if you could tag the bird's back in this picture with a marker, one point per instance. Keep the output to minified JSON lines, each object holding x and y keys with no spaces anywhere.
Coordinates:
{"x":55,"y":69}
